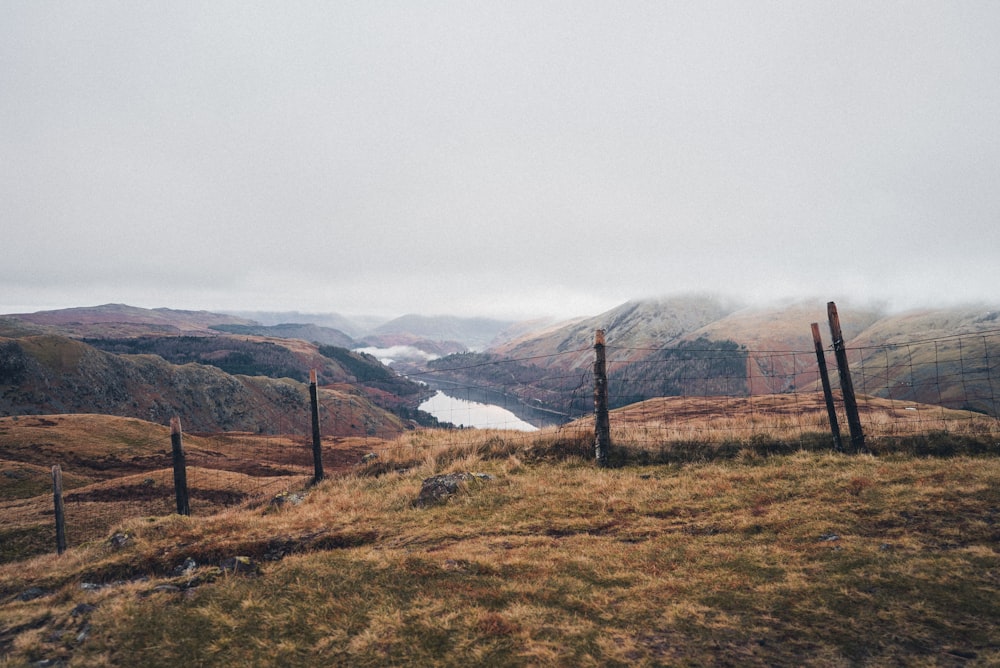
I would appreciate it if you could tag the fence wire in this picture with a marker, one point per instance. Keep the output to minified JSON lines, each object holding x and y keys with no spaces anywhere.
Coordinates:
{"x":666,"y":399}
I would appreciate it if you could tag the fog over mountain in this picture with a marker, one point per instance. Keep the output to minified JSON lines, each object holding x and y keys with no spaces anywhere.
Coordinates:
{"x":503,"y":160}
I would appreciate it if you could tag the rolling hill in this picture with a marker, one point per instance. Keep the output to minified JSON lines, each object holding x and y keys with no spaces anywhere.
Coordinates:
{"x":52,"y":374}
{"x":698,"y":346}
{"x":118,"y":320}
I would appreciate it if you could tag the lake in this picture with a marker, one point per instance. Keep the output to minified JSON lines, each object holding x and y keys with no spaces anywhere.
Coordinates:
{"x":473,"y":413}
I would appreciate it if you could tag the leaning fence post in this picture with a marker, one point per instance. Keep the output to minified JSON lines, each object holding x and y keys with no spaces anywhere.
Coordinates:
{"x":60,"y":512}
{"x":317,"y":445}
{"x":824,"y":376}
{"x":180,"y":467}
{"x":602,"y":424}
{"x":846,"y":386}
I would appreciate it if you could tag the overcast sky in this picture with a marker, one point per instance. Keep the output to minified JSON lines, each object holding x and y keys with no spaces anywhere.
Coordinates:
{"x":496,"y":158}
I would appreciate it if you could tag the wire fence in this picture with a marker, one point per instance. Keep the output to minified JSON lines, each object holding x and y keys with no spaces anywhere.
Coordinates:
{"x":664,"y":402}
{"x":724,"y":392}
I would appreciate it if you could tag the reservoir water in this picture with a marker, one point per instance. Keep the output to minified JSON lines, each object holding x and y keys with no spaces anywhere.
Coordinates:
{"x":463,"y":412}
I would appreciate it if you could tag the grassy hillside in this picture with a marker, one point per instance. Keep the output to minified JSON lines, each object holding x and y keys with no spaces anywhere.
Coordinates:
{"x":54,"y":374}
{"x":690,"y":347}
{"x":117,"y":467}
{"x":118,"y":320}
{"x":712,"y":558}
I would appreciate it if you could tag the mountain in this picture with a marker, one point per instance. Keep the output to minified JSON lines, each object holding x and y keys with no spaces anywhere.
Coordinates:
{"x":305,"y":331}
{"x":117,"y":320}
{"x":948,"y":357}
{"x":630,"y":328}
{"x":552,"y":368}
{"x":763,"y":330}
{"x":354,"y":326}
{"x":473,"y":333}
{"x":52,"y":374}
{"x":700,"y":346}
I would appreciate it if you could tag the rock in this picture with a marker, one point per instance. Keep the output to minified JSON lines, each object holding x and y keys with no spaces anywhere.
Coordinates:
{"x":31,"y":593}
{"x":186,"y":568}
{"x":244,"y":565}
{"x":829,"y":537}
{"x":120,"y":540}
{"x":287,"y":497}
{"x":371,"y":456}
{"x":437,"y":489}
{"x":82,"y":609}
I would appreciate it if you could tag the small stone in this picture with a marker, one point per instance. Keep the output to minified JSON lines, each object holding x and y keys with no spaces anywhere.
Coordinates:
{"x":371,"y":456}
{"x":31,"y":593}
{"x":84,"y":632}
{"x":82,"y":609}
{"x":186,"y":568}
{"x":286,"y":497}
{"x":120,"y":540}
{"x":829,"y":537}
{"x":90,"y":586}
{"x":437,"y":489}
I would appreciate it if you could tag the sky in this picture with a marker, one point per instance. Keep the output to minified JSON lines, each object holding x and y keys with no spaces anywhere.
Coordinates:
{"x":509,"y":159}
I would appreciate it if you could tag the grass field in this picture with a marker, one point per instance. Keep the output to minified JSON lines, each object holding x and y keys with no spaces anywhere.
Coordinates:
{"x":763,"y":550}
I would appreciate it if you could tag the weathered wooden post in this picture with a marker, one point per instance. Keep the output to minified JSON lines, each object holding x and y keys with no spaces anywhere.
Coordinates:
{"x":602,"y":424}
{"x":317,"y":444}
{"x":824,"y":376}
{"x":60,"y":511}
{"x":180,"y":467}
{"x":846,"y":386}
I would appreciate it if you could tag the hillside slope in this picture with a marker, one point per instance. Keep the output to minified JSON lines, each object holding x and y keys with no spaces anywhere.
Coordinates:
{"x":699,"y":346}
{"x":809,"y":558}
{"x":654,"y":323}
{"x":52,"y":374}
{"x":115,"y":320}
{"x":306,"y":332}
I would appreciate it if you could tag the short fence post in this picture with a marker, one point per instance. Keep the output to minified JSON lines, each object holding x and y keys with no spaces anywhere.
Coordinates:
{"x":824,"y":376}
{"x":846,"y":386}
{"x":180,"y":467}
{"x":60,"y":511}
{"x":602,"y":424}
{"x":316,"y":442}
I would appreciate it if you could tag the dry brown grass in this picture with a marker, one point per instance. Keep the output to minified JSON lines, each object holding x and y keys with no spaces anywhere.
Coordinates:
{"x":114,"y":468}
{"x":809,"y":558}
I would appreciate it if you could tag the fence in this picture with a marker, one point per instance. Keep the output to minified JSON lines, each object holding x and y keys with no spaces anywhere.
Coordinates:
{"x":706,"y":391}
{"x":667,"y":400}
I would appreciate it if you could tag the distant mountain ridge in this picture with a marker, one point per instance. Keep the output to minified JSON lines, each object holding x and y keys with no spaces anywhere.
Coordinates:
{"x":475,"y":333}
{"x":122,"y":320}
{"x":305,"y":331}
{"x":695,"y":346}
{"x":766,"y":349}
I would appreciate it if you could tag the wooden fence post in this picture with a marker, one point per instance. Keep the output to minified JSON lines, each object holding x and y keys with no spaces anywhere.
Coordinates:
{"x":180,"y":467}
{"x":824,"y":376}
{"x":846,"y":386}
{"x":602,"y":424}
{"x":316,"y":442}
{"x":60,"y":511}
